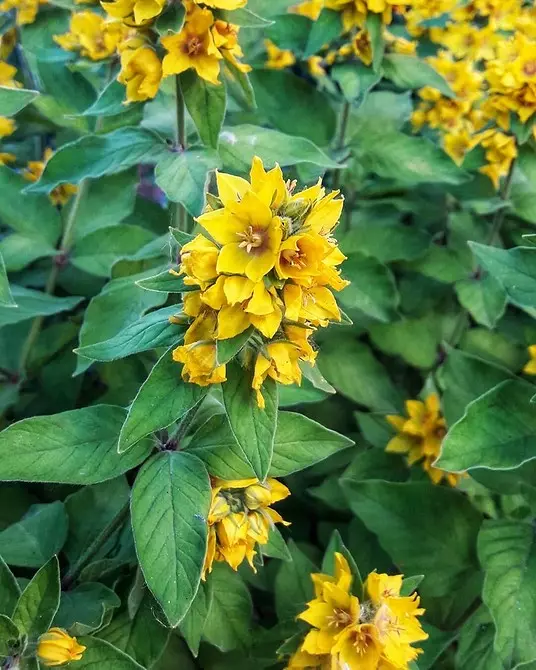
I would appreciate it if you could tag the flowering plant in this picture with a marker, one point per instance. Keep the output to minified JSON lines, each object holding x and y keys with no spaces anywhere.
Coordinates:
{"x":267,"y":342}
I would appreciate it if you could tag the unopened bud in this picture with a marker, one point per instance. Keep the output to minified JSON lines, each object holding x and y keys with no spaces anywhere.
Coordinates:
{"x":57,"y":647}
{"x":256,"y":496}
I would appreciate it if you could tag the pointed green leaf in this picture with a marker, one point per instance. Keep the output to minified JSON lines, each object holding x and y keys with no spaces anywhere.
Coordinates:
{"x":193,"y":624}
{"x":5,"y":293}
{"x":206,"y":105}
{"x":100,"y":654}
{"x":411,"y":72}
{"x":39,"y":601}
{"x":165,"y":282}
{"x":12,"y":100}
{"x":9,"y":590}
{"x":170,"y":504}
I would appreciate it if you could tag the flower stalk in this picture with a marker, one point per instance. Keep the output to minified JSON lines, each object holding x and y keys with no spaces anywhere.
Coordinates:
{"x":181,"y":142}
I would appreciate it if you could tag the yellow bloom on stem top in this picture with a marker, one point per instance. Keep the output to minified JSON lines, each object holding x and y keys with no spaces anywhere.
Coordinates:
{"x":374,"y":634}
{"x":134,"y":12}
{"x":419,"y":435}
{"x":141,"y":71}
{"x":278,"y":59}
{"x":60,"y":195}
{"x":240,"y":517}
{"x":269,"y":266}
{"x":26,"y":10}
{"x":56,"y":647}
{"x":92,"y":35}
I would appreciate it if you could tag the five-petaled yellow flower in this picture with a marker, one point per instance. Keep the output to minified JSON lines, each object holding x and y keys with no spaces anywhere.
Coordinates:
{"x":134,"y":12}
{"x":419,"y":435}
{"x":376,"y":633}
{"x":56,"y":647}
{"x":92,"y":35}
{"x":240,"y":518}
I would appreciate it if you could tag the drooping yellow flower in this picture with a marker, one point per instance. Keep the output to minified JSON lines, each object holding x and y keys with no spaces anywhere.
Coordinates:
{"x":7,"y":126}
{"x":92,"y":36}
{"x":225,"y":37}
{"x":193,"y":48}
{"x":278,"y":59}
{"x":530,"y":367}
{"x":26,"y":10}
{"x":198,"y":261}
{"x":60,"y":195}
{"x":375,"y":634}
{"x":56,"y":647}
{"x":134,"y":12}
{"x":419,"y":436}
{"x":280,"y":362}
{"x":141,"y":73}
{"x":310,"y":8}
{"x":240,"y":517}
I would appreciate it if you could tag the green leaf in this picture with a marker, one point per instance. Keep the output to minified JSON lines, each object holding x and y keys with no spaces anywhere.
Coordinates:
{"x":496,"y":432}
{"x":76,"y":447}
{"x":507,"y":551}
{"x":253,"y":427}
{"x":9,"y":636}
{"x":193,"y":624}
{"x":228,"y":623}
{"x":35,"y":217}
{"x":12,"y":100}
{"x":19,"y":251}
{"x":226,"y":350}
{"x":336,"y":545}
{"x":111,"y":101}
{"x":387,"y":243}
{"x":162,"y":399}
{"x":101,"y":654}
{"x":83,"y":608}
{"x":424,"y":528}
{"x":290,"y":32}
{"x":38,"y":536}
{"x":291,"y":102}
{"x":514,"y":269}
{"x":149,"y":331}
{"x":483,"y":297}
{"x":165,"y":282}
{"x":373,"y":288}
{"x":206,"y":105}
{"x":355,"y":80}
{"x":39,"y":601}
{"x":6,"y":298}
{"x":30,"y":304}
{"x":293,"y":584}
{"x":374,"y":25}
{"x":275,"y":547}
{"x":9,"y":590}
{"x":384,"y":151}
{"x":410,"y":584}
{"x":475,"y":643}
{"x":141,"y":635}
{"x":98,"y":251}
{"x":245,"y":18}
{"x":184,"y":176}
{"x":239,"y":144}
{"x":98,"y":155}
{"x":411,"y":72}
{"x":352,"y":369}
{"x":171,"y":20}
{"x":170,"y":501}
{"x":301,"y":442}
{"x":325,"y":29}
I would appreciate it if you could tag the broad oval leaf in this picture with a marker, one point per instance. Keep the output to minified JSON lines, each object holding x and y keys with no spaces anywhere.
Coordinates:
{"x":170,"y":504}
{"x":39,"y":601}
{"x":411,"y":72}
{"x":206,"y":104}
{"x":101,"y":654}
{"x":76,"y":447}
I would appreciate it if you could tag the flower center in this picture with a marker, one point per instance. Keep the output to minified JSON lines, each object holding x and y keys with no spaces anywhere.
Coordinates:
{"x":250,"y":239}
{"x":194,"y":46}
{"x":294,"y":258}
{"x":530,"y":68}
{"x":340,"y":618}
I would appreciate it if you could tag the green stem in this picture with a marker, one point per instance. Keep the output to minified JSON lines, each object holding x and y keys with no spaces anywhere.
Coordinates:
{"x":181,"y":141}
{"x":340,"y":139}
{"x":64,"y":248}
{"x":97,"y":544}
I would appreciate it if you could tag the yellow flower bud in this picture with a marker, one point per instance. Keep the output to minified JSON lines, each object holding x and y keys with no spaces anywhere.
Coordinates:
{"x":256,"y":496}
{"x":57,"y":647}
{"x":219,"y":510}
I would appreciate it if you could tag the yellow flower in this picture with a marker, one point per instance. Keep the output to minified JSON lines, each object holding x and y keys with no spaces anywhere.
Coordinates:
{"x":198,"y":261}
{"x":7,"y":75}
{"x":375,"y":634}
{"x":362,"y":47}
{"x":141,"y":73}
{"x":7,"y":43}
{"x":26,"y":10}
{"x":56,"y":647}
{"x":278,"y":59}
{"x":457,"y":143}
{"x":134,"y":12}
{"x":60,"y":195}
{"x":7,"y":126}
{"x":355,"y":12}
{"x":530,"y":367}
{"x":92,"y":35}
{"x":193,"y":47}
{"x":6,"y":158}
{"x":315,"y":64}
{"x":314,"y":304}
{"x":501,"y":150}
{"x":240,"y":517}
{"x":225,"y":37}
{"x":419,"y":435}
{"x":466,"y":40}
{"x":310,"y":8}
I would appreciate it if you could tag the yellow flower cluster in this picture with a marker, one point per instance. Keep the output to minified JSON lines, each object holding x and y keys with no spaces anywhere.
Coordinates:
{"x":489,"y":61}
{"x":240,"y":518}
{"x":60,"y":195}
{"x":25,"y":10}
{"x":268,"y":266}
{"x":92,"y":35}
{"x":419,"y":435}
{"x":355,"y":12}
{"x":56,"y":647}
{"x":375,"y":634}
